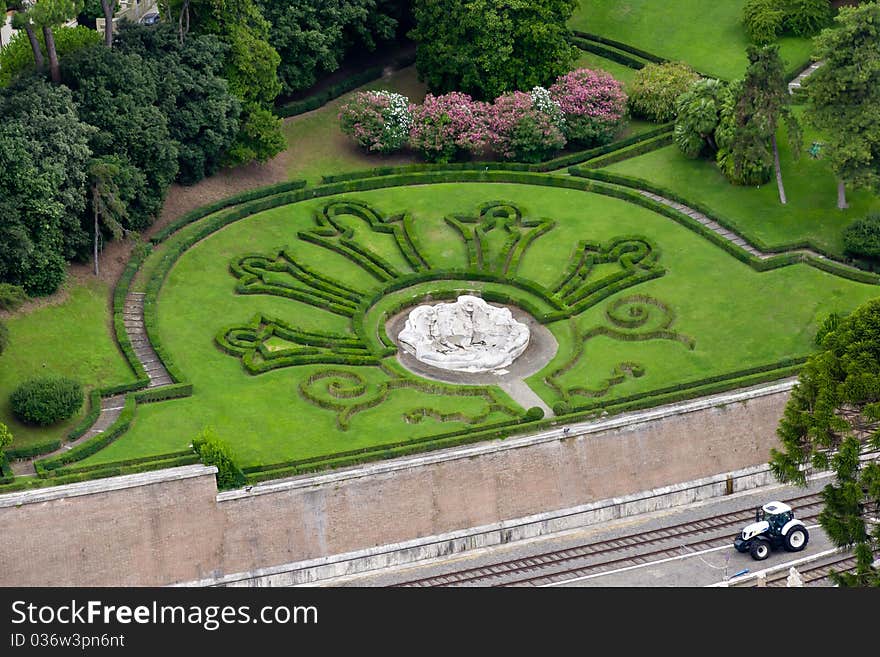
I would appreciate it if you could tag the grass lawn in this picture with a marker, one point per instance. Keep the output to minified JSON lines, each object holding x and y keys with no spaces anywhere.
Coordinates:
{"x":317,"y":147}
{"x":810,"y":214}
{"x":731,"y":314}
{"x":596,"y":62}
{"x":72,"y":339}
{"x":707,"y":35}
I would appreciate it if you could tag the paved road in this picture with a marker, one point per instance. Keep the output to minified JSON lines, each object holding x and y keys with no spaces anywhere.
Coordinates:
{"x":683,"y":567}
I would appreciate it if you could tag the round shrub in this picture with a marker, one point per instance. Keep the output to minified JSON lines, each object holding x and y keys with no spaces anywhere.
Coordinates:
{"x":444,"y":126}
{"x":561,"y":408}
{"x":861,"y":239}
{"x":11,"y":296}
{"x":47,"y":400}
{"x":656,"y":88}
{"x":807,"y":17}
{"x":534,"y":413}
{"x":763,"y":19}
{"x":517,"y":130}
{"x":593,"y":104}
{"x":4,"y":337}
{"x":379,"y":121}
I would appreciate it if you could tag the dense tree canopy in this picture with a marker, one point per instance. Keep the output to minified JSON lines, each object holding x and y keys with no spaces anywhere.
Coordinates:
{"x":313,"y":36}
{"x":118,"y":93}
{"x":44,"y":151}
{"x":833,"y":413}
{"x":487,"y":47}
{"x":844,"y":97}
{"x":202,"y":113}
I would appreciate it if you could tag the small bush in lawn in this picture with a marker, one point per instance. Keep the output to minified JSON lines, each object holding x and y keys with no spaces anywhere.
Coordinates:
{"x":534,"y":413}
{"x":656,"y":88}
{"x":46,"y":401}
{"x":11,"y":296}
{"x":593,"y":104}
{"x":520,"y":131}
{"x":379,"y":121}
{"x":214,"y":451}
{"x":561,"y":408}
{"x":4,"y":337}
{"x":445,"y":126}
{"x":861,"y":238}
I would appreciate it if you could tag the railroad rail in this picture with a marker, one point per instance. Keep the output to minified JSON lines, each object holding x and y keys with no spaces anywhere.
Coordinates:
{"x":510,"y":573}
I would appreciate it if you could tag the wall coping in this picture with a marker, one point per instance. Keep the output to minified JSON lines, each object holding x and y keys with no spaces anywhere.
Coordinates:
{"x":626,"y":420}
{"x":106,"y":485}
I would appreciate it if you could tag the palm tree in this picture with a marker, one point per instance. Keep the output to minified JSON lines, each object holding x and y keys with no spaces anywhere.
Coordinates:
{"x":108,"y":208}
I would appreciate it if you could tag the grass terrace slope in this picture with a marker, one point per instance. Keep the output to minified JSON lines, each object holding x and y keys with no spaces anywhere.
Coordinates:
{"x":707,"y":35}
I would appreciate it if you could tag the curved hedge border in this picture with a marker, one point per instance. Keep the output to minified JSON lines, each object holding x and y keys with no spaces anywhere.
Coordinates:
{"x":272,"y":199}
{"x":555,"y":164}
{"x":830,"y":264}
{"x":625,"y":47}
{"x":333,"y":92}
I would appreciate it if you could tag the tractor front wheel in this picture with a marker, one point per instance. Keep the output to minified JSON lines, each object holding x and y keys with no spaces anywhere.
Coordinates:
{"x":760,"y":549}
{"x":796,"y":539}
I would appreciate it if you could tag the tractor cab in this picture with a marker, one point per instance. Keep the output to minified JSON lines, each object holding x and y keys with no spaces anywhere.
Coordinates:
{"x":776,"y":514}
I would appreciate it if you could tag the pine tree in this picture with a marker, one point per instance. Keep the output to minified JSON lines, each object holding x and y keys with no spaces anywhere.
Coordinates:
{"x":833,"y":414}
{"x":844,"y":97}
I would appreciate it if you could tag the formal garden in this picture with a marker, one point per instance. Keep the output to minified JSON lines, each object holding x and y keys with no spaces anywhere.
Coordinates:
{"x":654,"y":200}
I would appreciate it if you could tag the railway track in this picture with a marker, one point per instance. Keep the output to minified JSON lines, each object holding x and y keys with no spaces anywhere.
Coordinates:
{"x":560,"y":565}
{"x":816,"y":575}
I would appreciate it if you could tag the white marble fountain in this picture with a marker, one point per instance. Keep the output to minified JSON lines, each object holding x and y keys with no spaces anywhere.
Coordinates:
{"x":467,"y":335}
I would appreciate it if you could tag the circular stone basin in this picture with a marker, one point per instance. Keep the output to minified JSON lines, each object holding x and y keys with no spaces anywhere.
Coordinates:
{"x":467,"y":335}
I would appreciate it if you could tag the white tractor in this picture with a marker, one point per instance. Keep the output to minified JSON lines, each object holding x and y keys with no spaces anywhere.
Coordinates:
{"x":775,"y":526}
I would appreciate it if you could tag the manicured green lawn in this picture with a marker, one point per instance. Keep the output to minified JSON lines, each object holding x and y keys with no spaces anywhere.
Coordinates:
{"x":810,"y":214}
{"x":733,"y":316}
{"x":72,"y":339}
{"x":593,"y":61}
{"x":707,"y":35}
{"x":317,"y":147}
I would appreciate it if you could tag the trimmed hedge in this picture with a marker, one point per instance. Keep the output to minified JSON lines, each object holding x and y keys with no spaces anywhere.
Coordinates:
{"x":90,"y":418}
{"x":92,"y":445}
{"x":556,"y":163}
{"x":229,"y":201}
{"x":625,"y":47}
{"x":128,"y":466}
{"x":786,"y":253}
{"x":32,"y":450}
{"x":609,"y":53}
{"x":493,"y":432}
{"x":351,"y":83}
{"x":640,"y":148}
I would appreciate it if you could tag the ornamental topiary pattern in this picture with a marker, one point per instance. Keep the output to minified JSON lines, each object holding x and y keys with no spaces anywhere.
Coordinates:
{"x":379,"y":121}
{"x":384,"y":248}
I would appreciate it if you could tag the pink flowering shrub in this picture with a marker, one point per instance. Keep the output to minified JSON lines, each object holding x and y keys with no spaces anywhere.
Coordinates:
{"x":594,"y":105}
{"x":379,"y":121}
{"x":444,"y":126}
{"x":518,"y":130}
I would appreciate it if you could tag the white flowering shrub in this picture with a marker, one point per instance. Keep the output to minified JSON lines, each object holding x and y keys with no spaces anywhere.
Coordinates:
{"x":544,"y":103}
{"x":379,"y":121}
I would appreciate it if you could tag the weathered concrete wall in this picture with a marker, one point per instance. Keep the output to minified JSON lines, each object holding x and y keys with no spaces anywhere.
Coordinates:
{"x":169,"y":527}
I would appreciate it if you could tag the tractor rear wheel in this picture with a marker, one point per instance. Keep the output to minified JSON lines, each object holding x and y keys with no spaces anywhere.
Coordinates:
{"x":796,"y":539}
{"x":760,"y":549}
